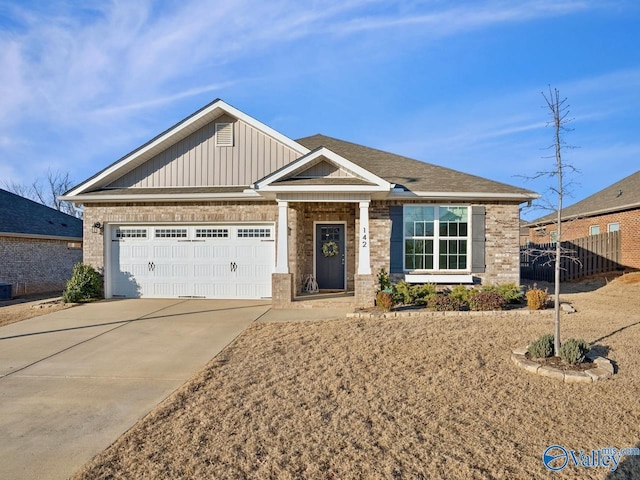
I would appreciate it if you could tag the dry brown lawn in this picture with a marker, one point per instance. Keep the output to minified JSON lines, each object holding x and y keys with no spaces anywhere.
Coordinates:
{"x":29,"y":307}
{"x":413,"y":398}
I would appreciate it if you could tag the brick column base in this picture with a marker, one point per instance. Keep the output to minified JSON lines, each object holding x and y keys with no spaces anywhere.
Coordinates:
{"x":365,"y":291}
{"x":281,"y":290}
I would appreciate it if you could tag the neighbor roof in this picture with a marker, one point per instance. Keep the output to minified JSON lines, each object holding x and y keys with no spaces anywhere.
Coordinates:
{"x":412,"y":175}
{"x":622,"y":195}
{"x":24,"y":217}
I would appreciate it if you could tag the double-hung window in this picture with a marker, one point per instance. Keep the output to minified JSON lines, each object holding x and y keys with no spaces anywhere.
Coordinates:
{"x":436,"y":237}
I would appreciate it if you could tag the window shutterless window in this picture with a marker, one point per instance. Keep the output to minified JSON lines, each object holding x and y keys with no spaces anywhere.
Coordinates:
{"x":436,"y":237}
{"x":614,"y":227}
{"x":594,"y":229}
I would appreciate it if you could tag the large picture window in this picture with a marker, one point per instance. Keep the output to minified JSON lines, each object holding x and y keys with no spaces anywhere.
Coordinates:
{"x":436,"y":237}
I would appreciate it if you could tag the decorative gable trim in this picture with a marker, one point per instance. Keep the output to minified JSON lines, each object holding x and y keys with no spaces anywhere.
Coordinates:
{"x":268,"y":183}
{"x":171,"y":136}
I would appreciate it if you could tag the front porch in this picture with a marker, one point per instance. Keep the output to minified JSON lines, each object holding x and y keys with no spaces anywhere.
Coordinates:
{"x":328,"y":254}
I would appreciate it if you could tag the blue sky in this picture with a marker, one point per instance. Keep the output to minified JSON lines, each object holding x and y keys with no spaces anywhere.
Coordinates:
{"x":453,"y":83}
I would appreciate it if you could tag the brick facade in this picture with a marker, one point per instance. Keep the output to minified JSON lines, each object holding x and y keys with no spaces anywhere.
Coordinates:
{"x":36,"y":265}
{"x":501,"y":248}
{"x":629,"y":222}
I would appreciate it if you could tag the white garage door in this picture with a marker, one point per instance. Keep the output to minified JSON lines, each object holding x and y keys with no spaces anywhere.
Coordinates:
{"x":206,"y":261}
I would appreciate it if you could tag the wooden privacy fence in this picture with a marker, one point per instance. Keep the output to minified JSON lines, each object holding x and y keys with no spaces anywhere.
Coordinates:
{"x":581,"y":257}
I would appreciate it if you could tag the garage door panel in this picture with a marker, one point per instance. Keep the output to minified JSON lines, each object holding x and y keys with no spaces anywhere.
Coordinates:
{"x":203,"y":271}
{"x":228,"y":261}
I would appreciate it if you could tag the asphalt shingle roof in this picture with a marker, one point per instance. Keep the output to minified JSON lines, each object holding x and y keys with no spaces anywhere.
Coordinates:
{"x":622,"y":195}
{"x":413,"y":175}
{"x":20,"y":215}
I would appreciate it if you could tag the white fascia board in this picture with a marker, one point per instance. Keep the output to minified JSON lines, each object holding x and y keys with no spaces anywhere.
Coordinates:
{"x":323,"y":188}
{"x":333,"y":157}
{"x":216,"y":109}
{"x":523,"y":197}
{"x":176,"y":197}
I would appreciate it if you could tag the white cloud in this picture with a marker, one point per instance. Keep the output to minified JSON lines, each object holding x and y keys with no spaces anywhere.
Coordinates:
{"x":78,"y":81}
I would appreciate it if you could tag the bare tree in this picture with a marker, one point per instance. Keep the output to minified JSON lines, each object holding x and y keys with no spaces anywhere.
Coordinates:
{"x":559,"y":112}
{"x":46,"y":191}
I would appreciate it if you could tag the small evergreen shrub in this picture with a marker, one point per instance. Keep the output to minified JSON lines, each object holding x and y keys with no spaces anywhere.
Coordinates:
{"x":537,"y":299}
{"x":384,"y":300}
{"x":443,"y":303}
{"x":483,"y":301}
{"x":85,"y":284}
{"x":573,"y":351}
{"x":402,"y":293}
{"x":542,"y":347}
{"x":383,"y":280}
{"x":421,"y":293}
{"x":511,"y":292}
{"x":461,"y":294}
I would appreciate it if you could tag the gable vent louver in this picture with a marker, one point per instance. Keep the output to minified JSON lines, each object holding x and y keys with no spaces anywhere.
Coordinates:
{"x":224,"y":134}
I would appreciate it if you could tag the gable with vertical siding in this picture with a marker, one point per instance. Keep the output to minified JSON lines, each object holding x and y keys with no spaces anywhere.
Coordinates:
{"x":196,"y":161}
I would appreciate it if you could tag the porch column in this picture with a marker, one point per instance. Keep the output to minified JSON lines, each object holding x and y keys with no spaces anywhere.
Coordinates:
{"x":364,"y":258}
{"x":282,"y":252}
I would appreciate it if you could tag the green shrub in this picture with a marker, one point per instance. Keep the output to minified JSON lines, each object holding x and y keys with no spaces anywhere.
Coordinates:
{"x":482,"y":301}
{"x":402,"y":293}
{"x":85,"y":284}
{"x":542,"y":347}
{"x":573,"y":351}
{"x":422,"y":292}
{"x":511,"y":292}
{"x":443,"y":303}
{"x":537,"y":299}
{"x":461,"y":294}
{"x":383,"y":280}
{"x":384,"y":300}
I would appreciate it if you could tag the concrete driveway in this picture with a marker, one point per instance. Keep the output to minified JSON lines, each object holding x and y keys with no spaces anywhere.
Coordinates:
{"x":71,"y":382}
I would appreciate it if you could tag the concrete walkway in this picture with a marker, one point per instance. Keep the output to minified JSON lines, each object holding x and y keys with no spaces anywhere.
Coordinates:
{"x":71,"y":382}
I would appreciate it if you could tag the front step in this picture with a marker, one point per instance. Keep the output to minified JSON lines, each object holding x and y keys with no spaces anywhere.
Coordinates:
{"x":324,"y":300}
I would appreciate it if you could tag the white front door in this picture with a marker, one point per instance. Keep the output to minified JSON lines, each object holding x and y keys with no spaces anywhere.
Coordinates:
{"x":207,"y":261}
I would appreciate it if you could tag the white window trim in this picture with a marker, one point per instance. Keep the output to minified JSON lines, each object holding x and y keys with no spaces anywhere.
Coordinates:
{"x":591,"y":227}
{"x":613,"y":223}
{"x":436,"y":240}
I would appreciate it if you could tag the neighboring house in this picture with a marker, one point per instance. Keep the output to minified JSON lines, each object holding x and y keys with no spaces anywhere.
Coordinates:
{"x":614,"y":208}
{"x":222,"y":206}
{"x":38,"y":245}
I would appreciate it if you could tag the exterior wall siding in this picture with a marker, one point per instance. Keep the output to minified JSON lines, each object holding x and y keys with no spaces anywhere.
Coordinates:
{"x":196,"y":161}
{"x":324,"y":169}
{"x":629,"y":230}
{"x":36,"y":265}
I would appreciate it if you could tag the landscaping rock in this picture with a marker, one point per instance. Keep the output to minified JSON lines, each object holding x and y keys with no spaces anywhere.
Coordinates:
{"x":550,"y":372}
{"x":605,"y":364}
{"x":598,"y":373}
{"x":525,"y":363}
{"x":567,"y":307}
{"x":577,"y":377}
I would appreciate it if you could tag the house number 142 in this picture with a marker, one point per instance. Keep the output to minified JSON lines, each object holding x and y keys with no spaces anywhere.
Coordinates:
{"x":364,"y":236}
